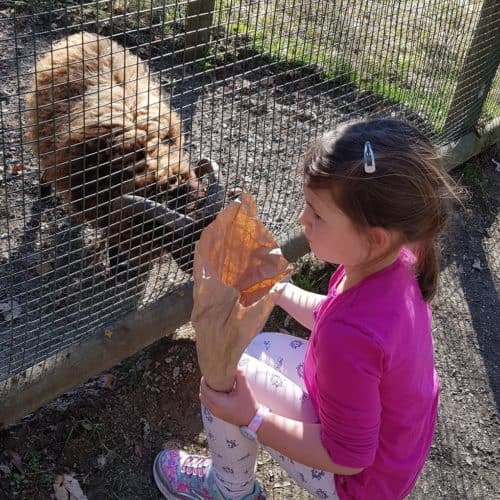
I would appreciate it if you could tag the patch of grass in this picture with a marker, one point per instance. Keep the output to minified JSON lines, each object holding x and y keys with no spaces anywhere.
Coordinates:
{"x":309,"y":274}
{"x":93,"y":427}
{"x":491,"y":107}
{"x":134,"y":376}
{"x":35,"y":473}
{"x":312,"y":275}
{"x":19,"y":481}
{"x":404,"y":53}
{"x":470,"y":175}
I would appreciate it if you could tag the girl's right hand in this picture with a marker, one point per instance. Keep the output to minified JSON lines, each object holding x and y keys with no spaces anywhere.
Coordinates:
{"x":236,"y":407}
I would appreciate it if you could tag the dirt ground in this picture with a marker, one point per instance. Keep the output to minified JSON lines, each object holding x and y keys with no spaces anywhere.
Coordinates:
{"x":107,"y":431}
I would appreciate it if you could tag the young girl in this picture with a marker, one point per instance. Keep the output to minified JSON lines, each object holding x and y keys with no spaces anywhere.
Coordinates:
{"x":349,"y":414}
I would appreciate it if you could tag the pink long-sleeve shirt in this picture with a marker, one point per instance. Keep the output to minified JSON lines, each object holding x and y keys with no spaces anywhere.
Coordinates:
{"x":369,"y":370}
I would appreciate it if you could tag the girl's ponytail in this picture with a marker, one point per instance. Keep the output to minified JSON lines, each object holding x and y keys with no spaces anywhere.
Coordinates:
{"x":427,"y":268}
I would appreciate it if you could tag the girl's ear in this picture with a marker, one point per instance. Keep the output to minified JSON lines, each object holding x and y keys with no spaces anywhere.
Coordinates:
{"x":381,"y":239}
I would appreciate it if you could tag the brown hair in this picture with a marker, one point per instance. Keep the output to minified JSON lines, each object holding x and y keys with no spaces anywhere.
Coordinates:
{"x":409,"y":191}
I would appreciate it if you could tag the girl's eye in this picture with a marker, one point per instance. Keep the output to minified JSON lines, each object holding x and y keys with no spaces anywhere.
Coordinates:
{"x":314,"y":213}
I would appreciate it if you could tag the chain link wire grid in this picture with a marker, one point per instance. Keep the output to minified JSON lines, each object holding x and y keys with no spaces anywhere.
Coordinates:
{"x":250,"y":83}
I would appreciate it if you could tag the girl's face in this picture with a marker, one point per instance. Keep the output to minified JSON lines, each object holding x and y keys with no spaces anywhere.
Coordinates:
{"x":330,"y":232}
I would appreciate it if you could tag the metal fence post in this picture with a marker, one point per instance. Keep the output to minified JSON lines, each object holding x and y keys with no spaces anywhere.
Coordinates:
{"x":199,"y":17}
{"x":478,"y":70}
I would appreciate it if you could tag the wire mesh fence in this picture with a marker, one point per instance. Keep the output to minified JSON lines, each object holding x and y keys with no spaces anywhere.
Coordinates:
{"x":127,"y":125}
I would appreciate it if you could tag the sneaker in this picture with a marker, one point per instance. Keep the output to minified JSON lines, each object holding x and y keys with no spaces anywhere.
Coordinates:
{"x":179,"y":475}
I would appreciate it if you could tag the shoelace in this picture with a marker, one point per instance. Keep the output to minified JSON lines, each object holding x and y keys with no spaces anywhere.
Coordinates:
{"x":195,"y":465}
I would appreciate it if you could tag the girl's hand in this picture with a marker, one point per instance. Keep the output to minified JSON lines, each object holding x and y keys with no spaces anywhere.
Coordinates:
{"x":236,"y":407}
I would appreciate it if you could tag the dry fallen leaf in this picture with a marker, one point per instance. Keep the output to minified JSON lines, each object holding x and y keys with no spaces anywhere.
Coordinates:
{"x":5,"y":469}
{"x":66,"y":487}
{"x":16,"y":461}
{"x":10,"y":310}
{"x":16,"y":168}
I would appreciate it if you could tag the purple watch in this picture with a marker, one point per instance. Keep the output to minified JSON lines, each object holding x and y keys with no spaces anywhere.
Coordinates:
{"x":250,"y":430}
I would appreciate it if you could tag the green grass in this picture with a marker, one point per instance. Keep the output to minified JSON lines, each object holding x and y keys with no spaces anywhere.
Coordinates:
{"x":471,"y":177}
{"x":309,"y":274}
{"x":406,"y":52}
{"x":34,"y":471}
{"x":312,"y":275}
{"x":491,"y":107}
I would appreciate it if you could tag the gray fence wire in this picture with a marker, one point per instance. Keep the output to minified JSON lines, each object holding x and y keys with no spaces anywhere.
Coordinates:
{"x":120,"y":145}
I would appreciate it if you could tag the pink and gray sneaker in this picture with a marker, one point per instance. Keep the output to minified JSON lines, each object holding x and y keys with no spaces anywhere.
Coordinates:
{"x":179,"y":475}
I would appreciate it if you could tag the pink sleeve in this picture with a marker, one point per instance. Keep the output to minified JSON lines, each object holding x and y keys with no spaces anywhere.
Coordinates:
{"x":349,"y":367}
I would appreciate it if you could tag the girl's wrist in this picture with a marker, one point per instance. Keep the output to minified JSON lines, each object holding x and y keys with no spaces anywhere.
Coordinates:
{"x":279,"y":290}
{"x":251,"y":428}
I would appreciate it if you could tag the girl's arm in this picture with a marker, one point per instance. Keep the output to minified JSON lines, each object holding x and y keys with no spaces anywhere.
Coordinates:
{"x":298,"y":303}
{"x":300,"y":442}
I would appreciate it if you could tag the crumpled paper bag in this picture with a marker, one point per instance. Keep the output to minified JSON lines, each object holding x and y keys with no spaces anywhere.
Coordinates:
{"x":236,"y":264}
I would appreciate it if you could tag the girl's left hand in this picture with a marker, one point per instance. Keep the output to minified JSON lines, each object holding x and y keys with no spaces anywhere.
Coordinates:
{"x":236,"y":407}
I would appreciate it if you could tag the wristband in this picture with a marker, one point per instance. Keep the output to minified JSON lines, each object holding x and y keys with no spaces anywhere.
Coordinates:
{"x":250,"y":430}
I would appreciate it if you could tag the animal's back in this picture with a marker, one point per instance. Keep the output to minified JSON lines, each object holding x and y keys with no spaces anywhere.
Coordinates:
{"x":78,"y":67}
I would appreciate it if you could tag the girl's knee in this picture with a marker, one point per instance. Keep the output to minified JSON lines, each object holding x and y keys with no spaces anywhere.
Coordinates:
{"x":272,"y":342}
{"x":262,"y":340}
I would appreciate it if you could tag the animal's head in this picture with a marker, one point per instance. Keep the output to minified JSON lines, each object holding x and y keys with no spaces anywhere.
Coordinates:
{"x":157,"y":130}
{"x":138,"y":152}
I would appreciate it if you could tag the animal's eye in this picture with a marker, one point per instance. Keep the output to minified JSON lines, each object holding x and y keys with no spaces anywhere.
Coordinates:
{"x":167,"y":139}
{"x":139,"y":155}
{"x":173,"y":180}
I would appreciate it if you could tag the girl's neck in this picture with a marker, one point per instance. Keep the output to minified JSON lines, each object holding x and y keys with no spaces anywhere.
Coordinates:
{"x":355,"y":274}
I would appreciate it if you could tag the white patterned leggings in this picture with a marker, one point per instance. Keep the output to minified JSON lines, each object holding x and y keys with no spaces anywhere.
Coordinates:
{"x":274,"y":365}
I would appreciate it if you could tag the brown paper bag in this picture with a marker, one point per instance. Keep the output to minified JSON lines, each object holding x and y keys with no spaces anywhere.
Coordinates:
{"x":236,"y":264}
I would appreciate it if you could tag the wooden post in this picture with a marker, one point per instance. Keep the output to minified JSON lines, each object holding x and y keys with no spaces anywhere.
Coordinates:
{"x":478,"y":71}
{"x":199,"y":18}
{"x":469,"y":145}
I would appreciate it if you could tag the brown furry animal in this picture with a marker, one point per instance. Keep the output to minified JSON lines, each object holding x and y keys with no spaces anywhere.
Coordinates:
{"x":104,"y":134}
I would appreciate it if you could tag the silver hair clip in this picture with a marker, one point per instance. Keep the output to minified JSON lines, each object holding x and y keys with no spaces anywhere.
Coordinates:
{"x":369,"y":159}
